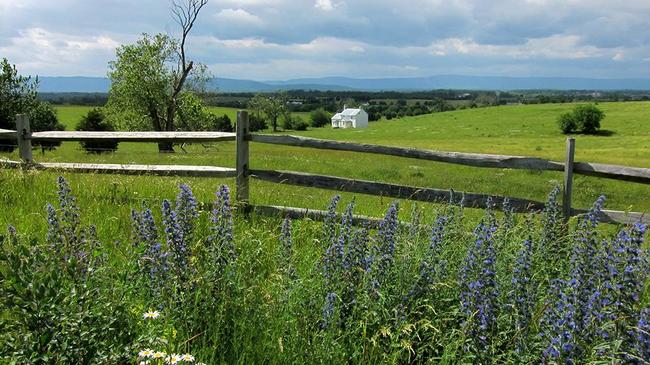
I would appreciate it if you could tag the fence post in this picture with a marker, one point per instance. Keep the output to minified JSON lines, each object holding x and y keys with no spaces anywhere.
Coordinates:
{"x":24,"y":137}
{"x":242,"y":157}
{"x":568,"y":177}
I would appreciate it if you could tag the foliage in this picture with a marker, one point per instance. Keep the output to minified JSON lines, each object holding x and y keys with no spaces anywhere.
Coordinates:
{"x":320,"y":118}
{"x":95,"y":121}
{"x":42,"y":117}
{"x":294,"y":122}
{"x":326,"y":293}
{"x":583,"y":119}
{"x":271,"y":106}
{"x":18,"y":94}
{"x":194,"y":116}
{"x":148,"y":77}
{"x":256,"y":123}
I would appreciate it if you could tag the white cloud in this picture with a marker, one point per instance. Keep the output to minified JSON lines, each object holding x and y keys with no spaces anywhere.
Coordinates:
{"x":39,"y":51}
{"x":237,"y":16}
{"x":325,"y":5}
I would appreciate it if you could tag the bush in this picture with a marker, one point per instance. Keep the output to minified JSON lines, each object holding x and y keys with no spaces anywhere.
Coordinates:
{"x":42,"y":117}
{"x":294,"y":122}
{"x":320,"y":118}
{"x":256,"y":123}
{"x":95,"y":121}
{"x":219,"y":124}
{"x":588,"y":118}
{"x":567,"y":123}
{"x":583,"y":119}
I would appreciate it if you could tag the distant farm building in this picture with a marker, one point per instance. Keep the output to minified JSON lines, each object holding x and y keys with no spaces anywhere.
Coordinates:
{"x":350,"y":118}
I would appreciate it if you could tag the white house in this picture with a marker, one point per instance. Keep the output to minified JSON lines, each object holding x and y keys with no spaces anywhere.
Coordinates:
{"x":350,"y":118}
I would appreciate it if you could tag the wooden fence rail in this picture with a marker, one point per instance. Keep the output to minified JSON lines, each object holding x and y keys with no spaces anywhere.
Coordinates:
{"x":470,"y":200}
{"x":243,"y":173}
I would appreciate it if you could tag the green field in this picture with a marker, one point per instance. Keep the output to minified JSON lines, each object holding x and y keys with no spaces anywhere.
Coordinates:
{"x":244,"y":294}
{"x":528,"y":130}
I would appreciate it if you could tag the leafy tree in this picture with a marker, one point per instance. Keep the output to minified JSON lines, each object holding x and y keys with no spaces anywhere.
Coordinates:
{"x":17,"y":95}
{"x":149,"y":77}
{"x":271,"y":106}
{"x":42,"y":117}
{"x":583,"y":119}
{"x":320,"y":118}
{"x":95,"y":120}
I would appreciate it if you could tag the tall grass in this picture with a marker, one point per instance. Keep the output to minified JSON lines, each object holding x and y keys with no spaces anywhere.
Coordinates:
{"x":207,"y":282}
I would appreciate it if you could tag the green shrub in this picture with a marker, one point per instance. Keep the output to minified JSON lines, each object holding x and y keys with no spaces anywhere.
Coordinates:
{"x":320,"y":118}
{"x":42,"y":117}
{"x":256,"y":123}
{"x":294,"y":122}
{"x":95,"y":121}
{"x":583,"y":119}
{"x":567,"y":123}
{"x":588,"y":118}
{"x":219,"y":124}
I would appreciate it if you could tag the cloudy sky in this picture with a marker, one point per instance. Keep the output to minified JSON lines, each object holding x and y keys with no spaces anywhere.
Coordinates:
{"x":282,"y":39}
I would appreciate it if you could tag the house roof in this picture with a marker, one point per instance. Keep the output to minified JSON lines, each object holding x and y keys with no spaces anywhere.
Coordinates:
{"x":350,"y":112}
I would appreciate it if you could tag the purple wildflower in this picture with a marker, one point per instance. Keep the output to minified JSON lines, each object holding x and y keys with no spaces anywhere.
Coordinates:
{"x":222,"y":246}
{"x":329,"y":224}
{"x":433,"y":265}
{"x":287,"y":248}
{"x":186,"y":211}
{"x":69,"y":219}
{"x":643,"y":336}
{"x":385,"y":246}
{"x":479,"y":288}
{"x":561,"y":325}
{"x":175,"y":239}
{"x":54,"y":234}
{"x":523,"y":294}
{"x":328,"y":309}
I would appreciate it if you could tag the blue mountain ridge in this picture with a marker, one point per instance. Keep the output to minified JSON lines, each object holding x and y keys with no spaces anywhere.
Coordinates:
{"x":101,"y":84}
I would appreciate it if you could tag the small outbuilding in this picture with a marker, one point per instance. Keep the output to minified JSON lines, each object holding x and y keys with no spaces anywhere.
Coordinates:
{"x":350,"y":118}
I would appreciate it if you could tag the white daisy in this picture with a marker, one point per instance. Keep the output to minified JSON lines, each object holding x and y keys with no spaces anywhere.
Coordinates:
{"x":187,"y":358}
{"x":145,"y":353}
{"x":174,"y":359}
{"x":151,"y":315}
{"x":158,"y":355}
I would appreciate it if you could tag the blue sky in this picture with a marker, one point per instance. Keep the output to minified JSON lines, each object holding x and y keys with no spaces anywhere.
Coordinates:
{"x":282,"y":39}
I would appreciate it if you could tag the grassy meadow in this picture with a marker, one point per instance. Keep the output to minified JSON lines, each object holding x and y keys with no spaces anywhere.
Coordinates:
{"x":171,"y":270}
{"x":527,"y":130}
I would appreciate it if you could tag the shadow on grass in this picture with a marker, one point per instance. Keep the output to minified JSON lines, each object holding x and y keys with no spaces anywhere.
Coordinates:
{"x":604,"y":133}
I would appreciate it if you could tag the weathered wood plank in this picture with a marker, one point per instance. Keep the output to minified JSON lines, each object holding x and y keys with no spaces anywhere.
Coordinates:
{"x":134,"y":136}
{"x":242,"y":158}
{"x":313,"y":214}
{"x":567,"y":187}
{"x":469,"y":159}
{"x":7,"y":133}
{"x":23,"y":134}
{"x":617,"y":216}
{"x":472,"y":200}
{"x":131,"y":169}
{"x":635,"y":174}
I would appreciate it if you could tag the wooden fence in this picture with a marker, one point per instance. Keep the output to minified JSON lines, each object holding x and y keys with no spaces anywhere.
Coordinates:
{"x":242,"y":172}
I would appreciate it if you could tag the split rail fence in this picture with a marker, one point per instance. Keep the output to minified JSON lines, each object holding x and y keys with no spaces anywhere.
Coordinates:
{"x":243,"y":173}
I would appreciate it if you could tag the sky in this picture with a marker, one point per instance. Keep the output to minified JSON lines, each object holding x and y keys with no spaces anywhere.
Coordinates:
{"x":289,"y":39}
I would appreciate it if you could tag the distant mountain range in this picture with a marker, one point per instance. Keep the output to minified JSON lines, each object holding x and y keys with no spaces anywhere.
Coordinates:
{"x":99,"y":84}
